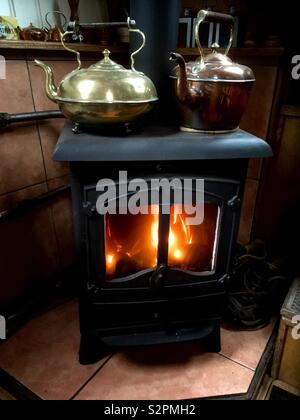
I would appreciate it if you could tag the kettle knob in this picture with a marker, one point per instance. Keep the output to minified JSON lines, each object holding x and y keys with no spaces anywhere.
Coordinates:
{"x":106,"y":54}
{"x":215,"y":47}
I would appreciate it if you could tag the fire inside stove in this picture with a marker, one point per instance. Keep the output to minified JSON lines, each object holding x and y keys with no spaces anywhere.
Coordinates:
{"x":132,"y":242}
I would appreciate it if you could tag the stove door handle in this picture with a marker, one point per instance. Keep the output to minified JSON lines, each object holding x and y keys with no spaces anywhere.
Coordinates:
{"x":156,"y":280}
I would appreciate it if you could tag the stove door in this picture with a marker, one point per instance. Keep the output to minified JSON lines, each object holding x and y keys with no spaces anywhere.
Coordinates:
{"x":150,"y":250}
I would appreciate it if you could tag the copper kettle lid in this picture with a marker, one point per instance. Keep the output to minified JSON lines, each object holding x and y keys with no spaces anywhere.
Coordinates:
{"x":217,"y":67}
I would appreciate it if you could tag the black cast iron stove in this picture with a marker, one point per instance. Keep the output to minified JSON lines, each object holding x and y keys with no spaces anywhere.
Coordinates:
{"x":148,"y":279}
{"x":152,"y":278}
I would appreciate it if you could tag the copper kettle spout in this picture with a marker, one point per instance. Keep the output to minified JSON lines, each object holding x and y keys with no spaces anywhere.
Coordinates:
{"x":182,"y":88}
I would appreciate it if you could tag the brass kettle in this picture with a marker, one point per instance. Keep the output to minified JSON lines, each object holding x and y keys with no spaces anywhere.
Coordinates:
{"x":212,"y":92}
{"x":105,"y":93}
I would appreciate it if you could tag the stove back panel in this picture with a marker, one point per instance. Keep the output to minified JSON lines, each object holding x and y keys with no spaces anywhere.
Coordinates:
{"x":158,"y":19}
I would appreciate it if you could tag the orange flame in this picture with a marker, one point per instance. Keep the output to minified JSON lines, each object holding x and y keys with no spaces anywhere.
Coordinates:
{"x":132,"y":242}
{"x":135,"y":251}
{"x":179,"y":237}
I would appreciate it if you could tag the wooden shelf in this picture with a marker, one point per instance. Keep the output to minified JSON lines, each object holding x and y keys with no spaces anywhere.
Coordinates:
{"x":57,"y":46}
{"x":30,"y":50}
{"x":54,"y":50}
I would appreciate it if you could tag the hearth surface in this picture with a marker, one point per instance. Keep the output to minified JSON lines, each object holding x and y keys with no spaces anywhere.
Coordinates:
{"x":42,"y":359}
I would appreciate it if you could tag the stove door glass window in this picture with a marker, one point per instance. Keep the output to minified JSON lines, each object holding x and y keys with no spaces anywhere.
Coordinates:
{"x":131,"y":243}
{"x":193,"y":247}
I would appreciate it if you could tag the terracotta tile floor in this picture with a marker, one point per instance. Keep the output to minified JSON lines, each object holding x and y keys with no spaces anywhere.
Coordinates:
{"x":43,"y":357}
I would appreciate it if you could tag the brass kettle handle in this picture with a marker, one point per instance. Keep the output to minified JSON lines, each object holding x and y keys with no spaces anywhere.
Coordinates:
{"x":138,"y":31}
{"x":208,"y":16}
{"x":62,"y":37}
{"x":129,"y":23}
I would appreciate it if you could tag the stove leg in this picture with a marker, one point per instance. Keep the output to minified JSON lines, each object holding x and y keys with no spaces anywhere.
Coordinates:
{"x":75,"y":129}
{"x":128,"y":129}
{"x":213,"y":341}
{"x":92,"y":350}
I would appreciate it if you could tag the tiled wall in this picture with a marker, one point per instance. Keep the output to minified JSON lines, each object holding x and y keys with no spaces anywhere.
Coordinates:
{"x":34,"y":247}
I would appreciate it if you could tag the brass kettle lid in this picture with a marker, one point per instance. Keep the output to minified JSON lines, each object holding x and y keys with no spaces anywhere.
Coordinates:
{"x":106,"y":64}
{"x":106,"y":82}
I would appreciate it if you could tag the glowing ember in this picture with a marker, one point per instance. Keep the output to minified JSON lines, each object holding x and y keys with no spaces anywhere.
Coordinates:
{"x":110,"y":263}
{"x":178,"y":254}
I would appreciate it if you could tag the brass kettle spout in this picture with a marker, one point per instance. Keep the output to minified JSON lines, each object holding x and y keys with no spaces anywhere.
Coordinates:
{"x":51,"y":89}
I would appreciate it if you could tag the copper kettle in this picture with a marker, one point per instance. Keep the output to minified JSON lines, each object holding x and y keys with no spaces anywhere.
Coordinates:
{"x":212,"y":92}
{"x":54,"y":32}
{"x":32,"y":33}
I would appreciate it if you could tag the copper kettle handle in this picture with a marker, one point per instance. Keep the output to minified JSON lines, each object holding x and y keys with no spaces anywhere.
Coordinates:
{"x":138,"y":31}
{"x":208,"y":16}
{"x":55,"y":12}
